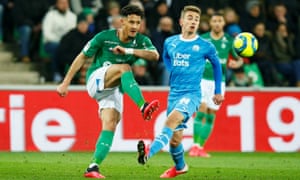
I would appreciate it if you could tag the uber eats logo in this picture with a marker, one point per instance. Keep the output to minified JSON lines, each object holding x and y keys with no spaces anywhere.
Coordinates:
{"x":181,"y":60}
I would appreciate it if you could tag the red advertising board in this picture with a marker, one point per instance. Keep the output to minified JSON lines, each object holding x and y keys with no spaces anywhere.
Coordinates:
{"x":249,"y":120}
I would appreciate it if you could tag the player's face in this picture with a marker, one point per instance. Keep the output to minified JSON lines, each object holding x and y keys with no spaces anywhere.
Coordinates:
{"x":190,"y":22}
{"x":131,"y":25}
{"x":217,"y":23}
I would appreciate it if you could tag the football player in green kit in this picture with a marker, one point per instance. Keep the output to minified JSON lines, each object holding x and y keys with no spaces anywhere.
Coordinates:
{"x":110,"y":75}
{"x":205,"y":117}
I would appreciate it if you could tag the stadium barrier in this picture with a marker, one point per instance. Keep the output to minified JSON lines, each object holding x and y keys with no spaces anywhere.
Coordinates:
{"x":35,"y":118}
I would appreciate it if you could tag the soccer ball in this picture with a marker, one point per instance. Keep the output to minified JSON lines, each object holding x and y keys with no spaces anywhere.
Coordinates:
{"x":245,"y":44}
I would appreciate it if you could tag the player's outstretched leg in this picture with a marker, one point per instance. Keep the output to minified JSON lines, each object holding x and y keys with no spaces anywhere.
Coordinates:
{"x":131,"y":88}
{"x":142,"y":154}
{"x":149,"y":108}
{"x":172,"y":172}
{"x":93,"y":172}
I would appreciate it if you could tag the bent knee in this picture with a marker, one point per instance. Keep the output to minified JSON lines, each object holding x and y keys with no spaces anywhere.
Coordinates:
{"x":174,"y":142}
{"x":124,"y":68}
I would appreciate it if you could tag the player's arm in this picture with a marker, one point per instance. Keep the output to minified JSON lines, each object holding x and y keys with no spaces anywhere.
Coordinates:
{"x":88,"y":51}
{"x":150,"y":55}
{"x":214,"y":59}
{"x":147,"y":51}
{"x":62,"y":89}
{"x":166,"y":57}
{"x":236,"y":63}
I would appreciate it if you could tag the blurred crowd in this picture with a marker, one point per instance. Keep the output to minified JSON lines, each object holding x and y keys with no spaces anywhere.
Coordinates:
{"x":51,"y":33}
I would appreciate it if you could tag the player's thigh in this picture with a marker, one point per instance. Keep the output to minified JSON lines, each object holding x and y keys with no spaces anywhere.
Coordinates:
{"x":174,"y":119}
{"x":95,"y":83}
{"x":114,"y":73}
{"x":203,"y":107}
{"x":111,"y":99}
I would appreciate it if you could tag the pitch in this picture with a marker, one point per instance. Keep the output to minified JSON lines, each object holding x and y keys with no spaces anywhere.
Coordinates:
{"x":124,"y":166}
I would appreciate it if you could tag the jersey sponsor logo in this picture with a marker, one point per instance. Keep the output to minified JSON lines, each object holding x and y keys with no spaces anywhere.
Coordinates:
{"x":181,"y":60}
{"x":118,"y":60}
{"x":111,"y":42}
{"x":179,"y":56}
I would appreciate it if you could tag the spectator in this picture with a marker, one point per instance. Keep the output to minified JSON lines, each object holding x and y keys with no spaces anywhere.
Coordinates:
{"x":143,"y":29}
{"x":104,"y":17}
{"x":115,"y":22}
{"x":160,"y":9}
{"x":71,"y":44}
{"x":232,"y":22}
{"x":158,"y":70}
{"x":137,"y":3}
{"x":279,"y":14}
{"x":89,"y":14}
{"x":264,"y":57}
{"x":204,"y":24}
{"x":7,"y":23}
{"x":58,"y":21}
{"x":28,"y":16}
{"x":78,"y":6}
{"x":253,"y":15}
{"x":175,"y":7}
{"x":240,"y":79}
{"x":139,"y":69}
{"x":238,"y":6}
{"x":284,"y":54}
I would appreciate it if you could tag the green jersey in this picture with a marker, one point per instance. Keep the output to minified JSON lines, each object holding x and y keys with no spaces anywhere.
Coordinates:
{"x":224,"y":48}
{"x":99,"y":47}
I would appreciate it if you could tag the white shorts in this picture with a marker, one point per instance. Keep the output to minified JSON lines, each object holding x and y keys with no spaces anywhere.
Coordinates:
{"x":208,"y":91}
{"x":106,"y":98}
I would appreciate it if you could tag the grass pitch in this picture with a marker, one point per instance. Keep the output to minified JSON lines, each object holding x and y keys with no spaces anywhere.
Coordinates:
{"x":124,"y":166}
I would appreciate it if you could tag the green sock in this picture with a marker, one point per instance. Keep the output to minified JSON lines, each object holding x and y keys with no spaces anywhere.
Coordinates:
{"x":206,"y":128}
{"x":197,"y":126}
{"x":131,"y":87}
{"x":103,"y":146}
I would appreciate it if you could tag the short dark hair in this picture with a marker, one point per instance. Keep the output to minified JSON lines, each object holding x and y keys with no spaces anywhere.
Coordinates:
{"x":132,"y":9}
{"x":217,"y":14}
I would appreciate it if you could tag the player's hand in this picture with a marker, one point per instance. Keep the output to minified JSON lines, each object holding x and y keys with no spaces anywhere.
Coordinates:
{"x":118,"y":50}
{"x":235,"y":64}
{"x":218,"y":99}
{"x":62,"y":89}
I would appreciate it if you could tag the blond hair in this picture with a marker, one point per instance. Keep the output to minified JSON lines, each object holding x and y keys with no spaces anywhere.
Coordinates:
{"x":190,"y":8}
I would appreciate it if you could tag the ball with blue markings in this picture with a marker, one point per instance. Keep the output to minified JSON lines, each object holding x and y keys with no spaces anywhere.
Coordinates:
{"x":245,"y":44}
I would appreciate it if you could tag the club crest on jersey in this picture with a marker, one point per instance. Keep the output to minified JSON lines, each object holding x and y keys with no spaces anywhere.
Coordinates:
{"x":106,"y":63}
{"x":196,"y":48}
